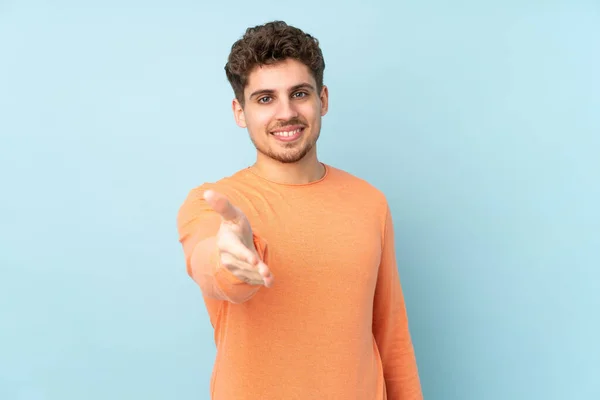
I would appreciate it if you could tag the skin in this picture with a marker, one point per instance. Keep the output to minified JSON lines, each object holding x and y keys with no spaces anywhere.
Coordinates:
{"x":283,"y":96}
{"x":277,"y":97}
{"x":237,"y":252}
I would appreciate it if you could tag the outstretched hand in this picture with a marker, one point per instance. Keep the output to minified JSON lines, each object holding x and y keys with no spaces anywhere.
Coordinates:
{"x":235,"y":243}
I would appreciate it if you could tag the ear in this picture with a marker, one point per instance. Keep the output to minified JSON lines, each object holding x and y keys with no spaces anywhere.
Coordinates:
{"x":324,"y":96}
{"x":238,"y":113}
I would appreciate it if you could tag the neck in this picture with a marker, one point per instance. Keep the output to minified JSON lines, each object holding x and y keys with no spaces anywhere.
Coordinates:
{"x":307,"y":170}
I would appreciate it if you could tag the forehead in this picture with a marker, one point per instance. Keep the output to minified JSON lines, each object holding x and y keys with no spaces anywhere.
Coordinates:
{"x":279,"y":76}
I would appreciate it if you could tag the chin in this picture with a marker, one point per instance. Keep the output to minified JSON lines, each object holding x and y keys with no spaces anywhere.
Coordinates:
{"x":286,"y":157}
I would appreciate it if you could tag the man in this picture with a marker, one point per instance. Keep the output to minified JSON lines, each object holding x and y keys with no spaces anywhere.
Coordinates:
{"x":295,"y":258}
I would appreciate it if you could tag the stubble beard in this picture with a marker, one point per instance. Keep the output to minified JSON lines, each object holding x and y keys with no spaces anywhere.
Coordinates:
{"x":291,"y":153}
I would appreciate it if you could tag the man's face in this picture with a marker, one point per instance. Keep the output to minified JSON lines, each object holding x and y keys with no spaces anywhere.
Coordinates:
{"x":282,"y":110}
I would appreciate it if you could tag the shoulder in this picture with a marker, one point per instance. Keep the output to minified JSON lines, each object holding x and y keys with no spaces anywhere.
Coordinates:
{"x":365,"y":191}
{"x":364,"y":197}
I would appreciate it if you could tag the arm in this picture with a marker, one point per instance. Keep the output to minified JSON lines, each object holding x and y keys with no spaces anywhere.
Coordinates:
{"x":198,"y":224}
{"x":390,"y":326}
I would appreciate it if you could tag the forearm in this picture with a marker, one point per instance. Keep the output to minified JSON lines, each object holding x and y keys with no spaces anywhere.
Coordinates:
{"x":391,"y":328}
{"x":399,"y":365}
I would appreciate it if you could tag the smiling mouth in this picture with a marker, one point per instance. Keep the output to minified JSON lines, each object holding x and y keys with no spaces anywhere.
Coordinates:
{"x":288,"y":135}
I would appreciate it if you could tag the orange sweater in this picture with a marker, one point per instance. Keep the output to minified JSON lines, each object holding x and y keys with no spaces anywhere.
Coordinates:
{"x":334,"y":324}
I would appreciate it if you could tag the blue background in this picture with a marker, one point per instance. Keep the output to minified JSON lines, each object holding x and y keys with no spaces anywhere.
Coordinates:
{"x":479,"y":120}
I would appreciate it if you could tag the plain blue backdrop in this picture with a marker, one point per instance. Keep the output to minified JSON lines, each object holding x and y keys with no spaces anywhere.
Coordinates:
{"x":479,"y":120}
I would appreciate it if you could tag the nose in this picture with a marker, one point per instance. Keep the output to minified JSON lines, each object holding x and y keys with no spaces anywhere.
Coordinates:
{"x":286,"y":110}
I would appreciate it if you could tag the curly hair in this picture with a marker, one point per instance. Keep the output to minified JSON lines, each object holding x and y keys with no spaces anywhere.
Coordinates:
{"x":268,"y":44}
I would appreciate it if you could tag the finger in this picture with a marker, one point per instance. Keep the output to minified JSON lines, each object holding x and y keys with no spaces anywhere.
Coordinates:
{"x":268,"y":282}
{"x":221,"y":205}
{"x":266,"y":274}
{"x":264,"y":270}
{"x":243,"y":271}
{"x":231,"y":244}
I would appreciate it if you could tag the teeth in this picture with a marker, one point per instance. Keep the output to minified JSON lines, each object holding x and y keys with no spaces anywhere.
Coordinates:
{"x":287,"y":133}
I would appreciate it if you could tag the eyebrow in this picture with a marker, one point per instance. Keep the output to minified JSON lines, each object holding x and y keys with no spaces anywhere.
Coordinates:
{"x":292,"y":89}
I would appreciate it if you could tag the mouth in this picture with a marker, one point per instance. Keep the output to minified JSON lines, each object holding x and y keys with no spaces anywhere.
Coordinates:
{"x":288,"y":134}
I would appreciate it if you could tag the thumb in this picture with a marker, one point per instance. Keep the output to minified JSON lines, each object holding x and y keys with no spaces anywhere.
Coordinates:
{"x":221,"y":205}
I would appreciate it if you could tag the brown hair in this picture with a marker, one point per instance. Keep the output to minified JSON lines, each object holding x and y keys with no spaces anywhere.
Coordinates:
{"x":268,"y":44}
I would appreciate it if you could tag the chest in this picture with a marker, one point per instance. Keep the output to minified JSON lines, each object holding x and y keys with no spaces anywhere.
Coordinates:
{"x":331,"y":249}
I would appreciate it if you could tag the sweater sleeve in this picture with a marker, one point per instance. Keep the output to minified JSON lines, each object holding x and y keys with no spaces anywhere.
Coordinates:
{"x":197,"y":225}
{"x":390,"y":326}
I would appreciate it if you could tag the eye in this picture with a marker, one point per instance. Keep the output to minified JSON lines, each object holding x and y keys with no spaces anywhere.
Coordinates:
{"x":264,"y":99}
{"x":300,"y":94}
